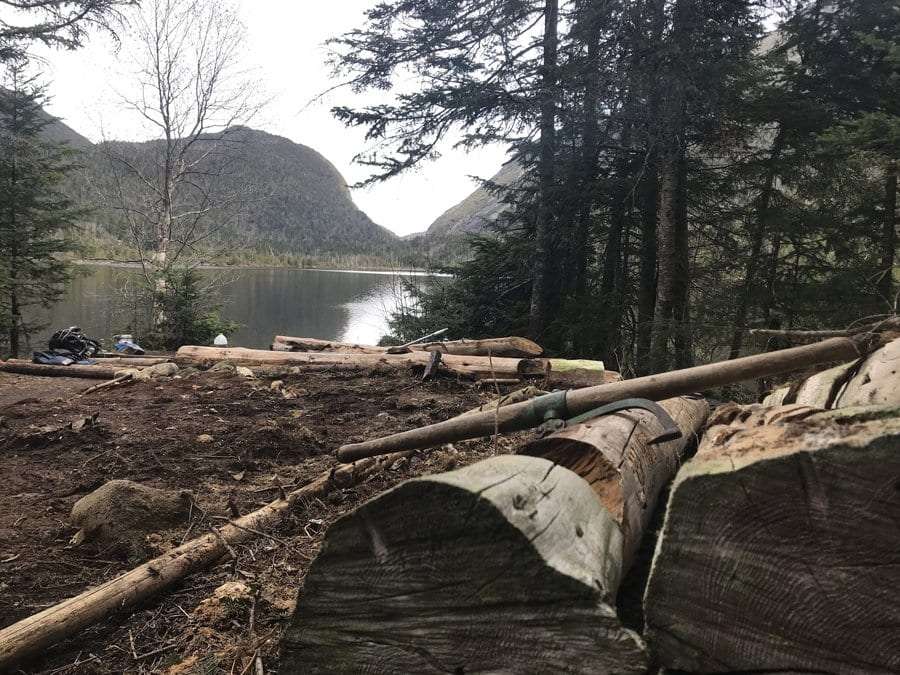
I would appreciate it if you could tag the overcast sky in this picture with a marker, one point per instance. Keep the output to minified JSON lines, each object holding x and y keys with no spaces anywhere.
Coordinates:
{"x":285,"y":44}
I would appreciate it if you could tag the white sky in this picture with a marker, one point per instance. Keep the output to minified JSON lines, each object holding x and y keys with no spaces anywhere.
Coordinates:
{"x":285,"y":44}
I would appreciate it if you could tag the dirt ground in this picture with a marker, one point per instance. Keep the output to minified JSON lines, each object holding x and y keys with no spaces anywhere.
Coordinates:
{"x":149,"y":432}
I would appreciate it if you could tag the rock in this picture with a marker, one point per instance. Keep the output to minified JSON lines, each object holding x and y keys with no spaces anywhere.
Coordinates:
{"x":243,"y":371}
{"x":222,"y":367}
{"x":276,"y":385}
{"x":204,"y":438}
{"x":161,"y":370}
{"x":122,"y":511}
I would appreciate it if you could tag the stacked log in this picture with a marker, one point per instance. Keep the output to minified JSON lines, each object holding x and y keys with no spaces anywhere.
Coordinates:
{"x":870,"y":381}
{"x":513,"y":347}
{"x":508,"y":565}
{"x":779,"y":550}
{"x":475,"y":367}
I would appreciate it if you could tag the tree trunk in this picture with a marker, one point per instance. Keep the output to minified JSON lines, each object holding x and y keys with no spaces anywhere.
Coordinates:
{"x":543,"y":250}
{"x":681,"y":318}
{"x":590,"y":151}
{"x":758,"y":232}
{"x":508,"y":565}
{"x":670,"y":220}
{"x":647,"y":282}
{"x":889,"y":236}
{"x":779,"y":549}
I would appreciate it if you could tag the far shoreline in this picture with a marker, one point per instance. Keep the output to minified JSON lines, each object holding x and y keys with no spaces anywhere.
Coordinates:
{"x":387,"y":271}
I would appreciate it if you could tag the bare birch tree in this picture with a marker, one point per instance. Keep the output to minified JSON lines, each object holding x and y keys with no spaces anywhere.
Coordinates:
{"x":175,"y":195}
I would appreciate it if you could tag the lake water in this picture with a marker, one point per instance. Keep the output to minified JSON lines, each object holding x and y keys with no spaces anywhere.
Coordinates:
{"x":350,"y":306}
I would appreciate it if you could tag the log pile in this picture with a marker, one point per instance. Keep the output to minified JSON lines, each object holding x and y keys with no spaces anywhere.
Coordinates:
{"x":778,"y":551}
{"x":469,"y":367}
{"x":513,"y":347}
{"x":511,"y":564}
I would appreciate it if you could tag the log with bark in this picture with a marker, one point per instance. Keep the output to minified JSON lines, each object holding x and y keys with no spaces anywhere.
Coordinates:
{"x":873,"y":381}
{"x":30,"y":636}
{"x":527,"y":415}
{"x":889,"y":325}
{"x":96,"y":372}
{"x":779,"y":551}
{"x":514,"y":347}
{"x":509,"y":565}
{"x":132,"y":362}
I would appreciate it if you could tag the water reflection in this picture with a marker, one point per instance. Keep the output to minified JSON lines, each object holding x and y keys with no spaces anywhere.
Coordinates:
{"x":333,"y":305}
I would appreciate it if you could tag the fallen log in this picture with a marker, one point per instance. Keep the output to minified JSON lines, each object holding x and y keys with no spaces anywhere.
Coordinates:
{"x":97,"y":372}
{"x":134,"y":362}
{"x":530,"y":414}
{"x":873,"y":381}
{"x":779,"y":548}
{"x":466,"y":366}
{"x":508,"y":565}
{"x":516,"y":347}
{"x":29,"y":636}
{"x":806,"y":336}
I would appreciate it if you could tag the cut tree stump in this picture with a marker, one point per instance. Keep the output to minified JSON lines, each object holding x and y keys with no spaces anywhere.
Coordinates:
{"x":514,"y":347}
{"x":780,"y":550}
{"x":873,"y":381}
{"x":509,"y":565}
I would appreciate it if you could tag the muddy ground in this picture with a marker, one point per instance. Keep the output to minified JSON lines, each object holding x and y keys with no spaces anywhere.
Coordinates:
{"x":151,"y":432}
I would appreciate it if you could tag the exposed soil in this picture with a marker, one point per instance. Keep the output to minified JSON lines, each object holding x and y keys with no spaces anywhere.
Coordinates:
{"x":150,"y":432}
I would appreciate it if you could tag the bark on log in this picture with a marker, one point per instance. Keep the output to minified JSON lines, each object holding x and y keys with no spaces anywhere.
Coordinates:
{"x":613,"y":454}
{"x":872,"y":382}
{"x":97,"y":372}
{"x":509,"y":565}
{"x":664,"y":385}
{"x":779,"y":548}
{"x":33,"y":634}
{"x":514,"y":347}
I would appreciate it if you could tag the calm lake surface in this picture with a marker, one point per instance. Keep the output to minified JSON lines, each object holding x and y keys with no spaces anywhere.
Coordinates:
{"x":350,"y":306}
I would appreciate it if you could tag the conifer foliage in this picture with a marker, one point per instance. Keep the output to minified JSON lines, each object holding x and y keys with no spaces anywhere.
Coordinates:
{"x":689,"y":172}
{"x":36,"y":218}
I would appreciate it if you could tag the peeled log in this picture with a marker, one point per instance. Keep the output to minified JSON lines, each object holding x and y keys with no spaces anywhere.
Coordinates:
{"x":516,"y":347}
{"x":874,"y":381}
{"x":464,"y":366}
{"x":467,"y":366}
{"x":779,"y":550}
{"x":509,"y":565}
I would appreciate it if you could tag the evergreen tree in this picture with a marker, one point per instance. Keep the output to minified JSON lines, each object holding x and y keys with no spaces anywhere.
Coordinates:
{"x":36,"y":218}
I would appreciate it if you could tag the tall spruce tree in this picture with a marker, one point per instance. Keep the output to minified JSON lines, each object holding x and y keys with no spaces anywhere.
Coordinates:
{"x":36,"y":218}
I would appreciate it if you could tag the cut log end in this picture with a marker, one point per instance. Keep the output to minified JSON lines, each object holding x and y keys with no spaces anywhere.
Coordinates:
{"x":779,"y":550}
{"x":506,"y":565}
